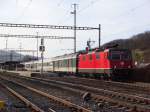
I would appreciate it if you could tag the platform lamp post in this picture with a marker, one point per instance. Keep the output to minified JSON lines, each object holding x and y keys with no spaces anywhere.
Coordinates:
{"x":42,"y":49}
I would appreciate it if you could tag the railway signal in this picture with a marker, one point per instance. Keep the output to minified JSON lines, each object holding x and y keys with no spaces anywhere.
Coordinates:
{"x":42,"y":49}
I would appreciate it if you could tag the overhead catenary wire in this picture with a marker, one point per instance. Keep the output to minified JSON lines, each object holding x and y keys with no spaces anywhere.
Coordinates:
{"x":127,"y":12}
{"x":24,"y":10}
{"x":60,"y":2}
{"x":67,"y":16}
{"x":131,"y":10}
{"x":89,"y":5}
{"x":124,"y":31}
{"x":124,"y":14}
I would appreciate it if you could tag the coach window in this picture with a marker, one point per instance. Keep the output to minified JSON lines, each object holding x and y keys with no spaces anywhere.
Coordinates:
{"x":90,"y":57}
{"x":61,"y":63}
{"x":70,"y":63}
{"x":56,"y":64}
{"x":74,"y":62}
{"x":65,"y":63}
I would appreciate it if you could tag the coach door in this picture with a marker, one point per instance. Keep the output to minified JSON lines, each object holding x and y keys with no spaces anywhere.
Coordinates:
{"x":67,"y":65}
{"x":70,"y":65}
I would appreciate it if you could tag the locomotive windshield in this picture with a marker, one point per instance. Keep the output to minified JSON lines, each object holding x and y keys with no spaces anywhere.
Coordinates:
{"x":120,"y":55}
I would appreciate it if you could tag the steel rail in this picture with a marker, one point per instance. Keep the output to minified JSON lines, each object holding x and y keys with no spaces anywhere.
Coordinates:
{"x":98,"y":98}
{"x":130,"y":98}
{"x":133,"y":97}
{"x":27,"y":102}
{"x":134,"y":85}
{"x":95,"y":96}
{"x":51,"y":97}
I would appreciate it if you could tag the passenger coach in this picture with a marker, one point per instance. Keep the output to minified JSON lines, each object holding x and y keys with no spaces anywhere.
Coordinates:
{"x":35,"y":66}
{"x":65,"y":64}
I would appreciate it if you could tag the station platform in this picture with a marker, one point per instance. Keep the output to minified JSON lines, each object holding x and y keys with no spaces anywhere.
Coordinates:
{"x":30,"y":73}
{"x":22,"y":73}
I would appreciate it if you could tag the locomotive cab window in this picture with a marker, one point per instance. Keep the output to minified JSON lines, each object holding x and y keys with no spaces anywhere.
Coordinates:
{"x":115,"y":56}
{"x":126,"y":55}
{"x":120,"y":55}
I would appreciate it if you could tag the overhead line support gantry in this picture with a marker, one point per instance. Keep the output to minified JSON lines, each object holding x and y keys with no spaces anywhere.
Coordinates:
{"x":54,"y":27}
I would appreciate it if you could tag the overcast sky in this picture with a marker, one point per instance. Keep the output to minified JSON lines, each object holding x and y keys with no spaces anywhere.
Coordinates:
{"x":118,"y":18}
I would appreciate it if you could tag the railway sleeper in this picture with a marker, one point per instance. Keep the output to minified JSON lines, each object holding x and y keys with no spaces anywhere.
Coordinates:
{"x":109,"y":101}
{"x":147,"y":102}
{"x":122,"y":108}
{"x":27,"y":102}
{"x":106,"y":93}
{"x":139,"y":101}
{"x":119,"y":96}
{"x":123,"y":104}
{"x":53,"y":98}
{"x":123,"y":97}
{"x":51,"y":110}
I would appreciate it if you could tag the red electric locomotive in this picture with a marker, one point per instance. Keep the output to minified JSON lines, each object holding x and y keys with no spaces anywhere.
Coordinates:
{"x":111,"y":63}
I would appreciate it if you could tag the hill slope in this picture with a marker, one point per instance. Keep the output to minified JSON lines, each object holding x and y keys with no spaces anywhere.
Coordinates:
{"x":14,"y":56}
{"x":139,"y":44}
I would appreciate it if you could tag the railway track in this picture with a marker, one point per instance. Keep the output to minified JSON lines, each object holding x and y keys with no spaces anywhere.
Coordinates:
{"x":42,"y":102}
{"x":115,"y":99}
{"x":134,"y":89}
{"x":24,"y":100}
{"x":12,"y":102}
{"x":120,"y":99}
{"x":93,"y":104}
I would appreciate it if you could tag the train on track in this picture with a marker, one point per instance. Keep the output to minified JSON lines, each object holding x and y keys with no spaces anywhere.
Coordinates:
{"x":109,"y":63}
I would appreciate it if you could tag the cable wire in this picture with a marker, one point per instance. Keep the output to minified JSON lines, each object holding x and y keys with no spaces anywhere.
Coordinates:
{"x":122,"y":32}
{"x":24,"y":10}
{"x":67,"y":14}
{"x":60,"y":2}
{"x":132,"y":10}
{"x":89,"y":5}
